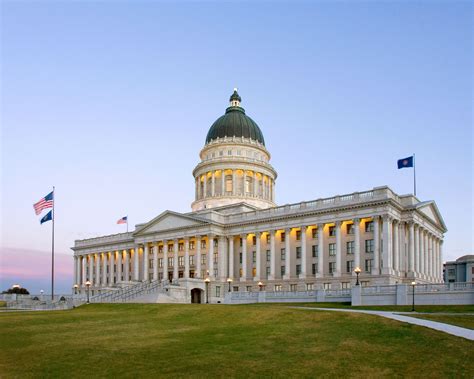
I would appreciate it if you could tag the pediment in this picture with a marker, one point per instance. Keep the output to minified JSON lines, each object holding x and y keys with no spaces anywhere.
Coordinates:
{"x":169,"y":220}
{"x":430,"y":210}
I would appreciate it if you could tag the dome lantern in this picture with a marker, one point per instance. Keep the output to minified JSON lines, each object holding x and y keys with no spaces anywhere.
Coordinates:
{"x":235,"y":99}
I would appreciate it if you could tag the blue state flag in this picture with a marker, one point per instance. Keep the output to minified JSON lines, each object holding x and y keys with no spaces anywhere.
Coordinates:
{"x":405,"y":162}
{"x":47,"y":217}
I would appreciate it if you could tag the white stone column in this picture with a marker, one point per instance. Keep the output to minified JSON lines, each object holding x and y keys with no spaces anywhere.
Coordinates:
{"x":119,"y":266}
{"x":320,"y":251}
{"x":222,"y":253}
{"x":304,"y":269}
{"x":273,"y":269}
{"x":145,"y":263}
{"x":186,"y":258}
{"x":197,"y":273}
{"x":111,"y":267}
{"x":387,"y":245}
{"x":231,"y":257}
{"x":356,"y":243}
{"x":205,"y":186}
{"x":245,"y":182}
{"x":258,"y":240}
{"x":338,"y":250}
{"x":255,"y":184}
{"x":213,"y":184}
{"x":288,"y":259}
{"x":75,"y":270}
{"x":91,"y":268}
{"x":155,"y":262}
{"x":425,"y":254}
{"x":430,"y":256}
{"x":97,"y":269}
{"x":125,"y":265}
{"x":396,"y":246}
{"x":222,"y":183}
{"x":416,"y":249}
{"x":165,"y":261}
{"x":243,"y":278}
{"x":411,"y":248}
{"x":210,"y":258}
{"x":234,"y":183}
{"x":175,"y":259}
{"x":421,"y":251}
{"x":103,"y":257}
{"x":376,"y":266}
{"x":440,"y":276}
{"x":136,"y":257}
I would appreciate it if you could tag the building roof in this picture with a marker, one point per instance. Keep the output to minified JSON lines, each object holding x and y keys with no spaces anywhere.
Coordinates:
{"x":235,"y":123}
{"x":465,"y":258}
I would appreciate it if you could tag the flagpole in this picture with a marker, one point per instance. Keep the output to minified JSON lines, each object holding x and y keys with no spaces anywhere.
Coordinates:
{"x":414,"y":175}
{"x":52,"y":251}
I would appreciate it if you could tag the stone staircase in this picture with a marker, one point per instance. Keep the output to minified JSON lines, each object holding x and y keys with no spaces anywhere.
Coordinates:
{"x":130,"y":293}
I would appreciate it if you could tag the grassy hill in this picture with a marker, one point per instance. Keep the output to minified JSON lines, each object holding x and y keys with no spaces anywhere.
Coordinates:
{"x":154,"y":340}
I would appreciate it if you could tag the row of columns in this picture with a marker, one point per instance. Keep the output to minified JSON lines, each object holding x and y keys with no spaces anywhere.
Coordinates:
{"x":206,"y":185}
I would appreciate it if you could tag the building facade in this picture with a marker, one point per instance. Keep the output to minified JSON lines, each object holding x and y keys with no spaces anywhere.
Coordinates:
{"x":460,"y":270}
{"x":239,"y":239}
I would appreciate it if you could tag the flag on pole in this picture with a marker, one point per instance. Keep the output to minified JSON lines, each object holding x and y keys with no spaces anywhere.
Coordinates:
{"x":47,"y":217}
{"x":123,"y":220}
{"x":45,"y":203}
{"x":405,"y":162}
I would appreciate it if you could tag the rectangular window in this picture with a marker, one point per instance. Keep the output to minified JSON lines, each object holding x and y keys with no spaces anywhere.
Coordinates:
{"x":215,"y":273}
{"x":451,"y":272}
{"x":368,"y":265}
{"x":229,"y":152}
{"x":268,"y":255}
{"x":254,"y":272}
{"x":369,"y":246}
{"x":283,"y":254}
{"x":254,"y":257}
{"x":332,"y":249}
{"x":369,"y":226}
{"x":203,"y":259}
{"x":160,"y":249}
{"x":191,"y":260}
{"x":268,"y":237}
{"x":313,"y":267}
{"x":277,"y":287}
{"x":298,"y":252}
{"x":298,"y":269}
{"x":180,"y":261}
{"x":327,"y":286}
{"x":365,"y":283}
{"x":191,"y":274}
{"x":332,"y":267}
{"x":150,"y":263}
{"x":314,"y":233}
{"x":181,"y":246}
{"x":216,"y":242}
{"x":282,"y":236}
{"x":298,"y":235}
{"x":350,"y":247}
{"x":235,"y":288}
{"x":170,"y":261}
{"x":160,"y":276}
{"x":350,"y":228}
{"x":268,"y":272}
{"x":254,"y":240}
{"x":249,"y":288}
{"x":282,"y":270}
{"x":240,"y":239}
{"x":346,"y":285}
{"x":203,"y":244}
{"x":240,"y":272}
{"x":170,"y":248}
{"x":218,"y":291}
{"x":293,"y":287}
{"x":240,"y":258}
{"x":349,"y":266}
{"x":191,"y":245}
{"x":215,"y":257}
{"x":228,"y":183}
{"x":180,"y":274}
{"x":332,"y":231}
{"x":315,"y":251}
{"x":309,"y":286}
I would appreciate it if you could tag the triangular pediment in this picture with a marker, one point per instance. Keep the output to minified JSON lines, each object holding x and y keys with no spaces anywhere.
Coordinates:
{"x":167,"y":221}
{"x":430,"y":210}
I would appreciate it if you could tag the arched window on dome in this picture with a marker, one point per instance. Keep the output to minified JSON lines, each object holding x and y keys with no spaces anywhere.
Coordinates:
{"x":228,"y":184}
{"x":209,"y":186}
{"x":248,"y":185}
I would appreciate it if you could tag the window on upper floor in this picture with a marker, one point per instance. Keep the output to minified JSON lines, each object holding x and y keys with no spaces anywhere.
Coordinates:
{"x":332,"y":231}
{"x":369,"y":246}
{"x":298,"y":235}
{"x":332,"y":249}
{"x":314,"y":233}
{"x":350,"y":228}
{"x":298,"y":252}
{"x":369,"y":226}
{"x":350,"y":247}
{"x":314,"y":250}
{"x":349,"y":266}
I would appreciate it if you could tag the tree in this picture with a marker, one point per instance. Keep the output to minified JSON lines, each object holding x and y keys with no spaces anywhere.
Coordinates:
{"x":17,"y":290}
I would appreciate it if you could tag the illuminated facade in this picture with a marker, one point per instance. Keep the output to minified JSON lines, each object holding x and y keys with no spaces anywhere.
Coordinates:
{"x":238,"y":238}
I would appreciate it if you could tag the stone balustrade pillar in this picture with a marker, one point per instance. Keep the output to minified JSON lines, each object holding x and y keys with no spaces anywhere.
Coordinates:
{"x":304,"y":230}
{"x":321,"y":251}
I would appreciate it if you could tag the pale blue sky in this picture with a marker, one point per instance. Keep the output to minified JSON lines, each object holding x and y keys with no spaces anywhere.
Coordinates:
{"x":111,"y":102}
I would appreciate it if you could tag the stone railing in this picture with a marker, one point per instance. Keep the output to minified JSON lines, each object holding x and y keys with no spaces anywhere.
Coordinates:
{"x":379,"y":193}
{"x":114,"y":238}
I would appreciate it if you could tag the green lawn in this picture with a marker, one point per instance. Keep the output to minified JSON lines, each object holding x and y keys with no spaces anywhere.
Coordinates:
{"x":155,"y":340}
{"x":3,"y":304}
{"x":464,"y":321}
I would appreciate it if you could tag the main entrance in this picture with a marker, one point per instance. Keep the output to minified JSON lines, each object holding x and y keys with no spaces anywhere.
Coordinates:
{"x":196,"y":295}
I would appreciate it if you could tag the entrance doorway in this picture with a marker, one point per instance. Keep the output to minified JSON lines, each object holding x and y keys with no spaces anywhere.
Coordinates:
{"x":196,"y":296}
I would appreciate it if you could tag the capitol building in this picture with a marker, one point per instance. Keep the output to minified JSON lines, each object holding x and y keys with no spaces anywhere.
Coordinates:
{"x":237,"y":238}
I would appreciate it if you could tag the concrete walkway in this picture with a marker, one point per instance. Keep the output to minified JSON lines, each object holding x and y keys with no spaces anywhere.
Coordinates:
{"x":450,"y":329}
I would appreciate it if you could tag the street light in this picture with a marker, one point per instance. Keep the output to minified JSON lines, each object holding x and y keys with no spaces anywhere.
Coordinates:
{"x":75,"y":288}
{"x":207,"y":281}
{"x":260,"y":285}
{"x":229,"y":280}
{"x":88,"y":284}
{"x":357,"y":271}
{"x":413,"y":284}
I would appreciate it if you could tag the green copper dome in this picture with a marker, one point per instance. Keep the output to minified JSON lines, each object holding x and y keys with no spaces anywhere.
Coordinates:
{"x":235,"y":123}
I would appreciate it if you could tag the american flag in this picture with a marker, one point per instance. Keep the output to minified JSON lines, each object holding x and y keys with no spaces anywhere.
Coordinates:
{"x":123,"y":220}
{"x":45,"y":203}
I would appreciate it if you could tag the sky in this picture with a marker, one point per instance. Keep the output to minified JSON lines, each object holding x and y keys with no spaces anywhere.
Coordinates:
{"x":111,"y":101}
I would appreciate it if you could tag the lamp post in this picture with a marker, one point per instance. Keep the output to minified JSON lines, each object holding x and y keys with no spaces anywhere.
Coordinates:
{"x":88,"y":284}
{"x":207,"y":281}
{"x":413,"y":284}
{"x":14,"y":287}
{"x":260,"y":286}
{"x":229,"y":280}
{"x":357,"y":272}
{"x":41,"y":294}
{"x":75,"y":288}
